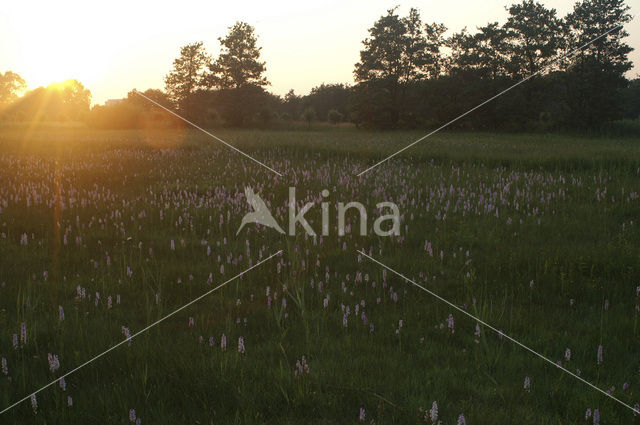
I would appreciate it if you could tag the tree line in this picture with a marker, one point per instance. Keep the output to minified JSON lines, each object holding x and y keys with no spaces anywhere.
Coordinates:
{"x":410,"y":75}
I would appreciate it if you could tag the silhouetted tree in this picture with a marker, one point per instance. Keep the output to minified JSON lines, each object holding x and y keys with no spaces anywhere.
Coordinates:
{"x":187,"y":76}
{"x":291,"y":104}
{"x":398,"y":52}
{"x":596,"y":75}
{"x":238,"y":73}
{"x":533,"y":36}
{"x":239,"y":61}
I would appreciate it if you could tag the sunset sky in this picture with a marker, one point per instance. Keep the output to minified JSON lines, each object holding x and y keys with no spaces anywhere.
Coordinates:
{"x":112,"y":47}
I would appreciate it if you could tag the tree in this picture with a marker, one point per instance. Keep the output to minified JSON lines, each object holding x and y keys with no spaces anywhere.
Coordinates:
{"x":239,"y":61}
{"x":382,"y":67}
{"x":399,"y":52}
{"x":534,"y":35}
{"x":334,"y":116}
{"x":325,"y":97}
{"x":75,"y":97}
{"x":483,"y":52}
{"x":68,"y":100}
{"x":238,"y":74}
{"x":291,"y":104}
{"x":11,"y":84}
{"x":381,"y":58}
{"x":596,"y":76}
{"x":187,"y":75}
{"x":434,"y":35}
{"x":309,"y":115}
{"x":592,"y":18}
{"x":156,"y":95}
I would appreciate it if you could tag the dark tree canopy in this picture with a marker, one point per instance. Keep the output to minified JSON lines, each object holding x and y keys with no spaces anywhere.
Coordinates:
{"x":533,"y":36}
{"x":239,"y":61}
{"x":187,"y":75}
{"x":404,"y":80}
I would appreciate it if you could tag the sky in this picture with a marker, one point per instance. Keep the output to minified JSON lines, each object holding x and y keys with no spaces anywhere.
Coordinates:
{"x":113,"y":47}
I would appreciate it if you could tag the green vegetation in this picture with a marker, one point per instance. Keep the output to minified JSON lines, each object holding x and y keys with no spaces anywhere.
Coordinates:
{"x":536,"y":234}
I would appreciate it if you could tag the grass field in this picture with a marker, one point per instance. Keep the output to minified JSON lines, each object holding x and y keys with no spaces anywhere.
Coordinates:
{"x":535,"y":234}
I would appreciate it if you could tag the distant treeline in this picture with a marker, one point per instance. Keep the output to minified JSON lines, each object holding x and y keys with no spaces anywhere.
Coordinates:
{"x":409,"y":76}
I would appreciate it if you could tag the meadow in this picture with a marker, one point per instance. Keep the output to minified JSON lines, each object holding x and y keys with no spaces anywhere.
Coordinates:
{"x":105,"y":232}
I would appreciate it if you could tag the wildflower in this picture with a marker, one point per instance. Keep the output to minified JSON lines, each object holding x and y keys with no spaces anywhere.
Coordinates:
{"x":587,"y":414}
{"x":127,"y":334}
{"x":54,"y":363}
{"x":567,"y":354}
{"x":5,"y":369}
{"x":223,"y":342}
{"x":241,"y":345}
{"x":191,"y":322}
{"x":461,"y":419}
{"x":69,"y":401}
{"x":600,"y":358}
{"x":450,"y":323}
{"x":344,"y":320}
{"x":211,"y":341}
{"x":23,"y":333}
{"x":625,"y":386}
{"x":477,"y":333}
{"x":302,"y":368}
{"x":63,"y":384}
{"x":60,"y":313}
{"x":433,"y":412}
{"x":15,"y":341}
{"x":636,"y":409}
{"x":109,"y":302}
{"x":363,"y":414}
{"x":527,"y":384}
{"x":132,"y":413}
{"x":34,"y":403}
{"x":596,"y":417}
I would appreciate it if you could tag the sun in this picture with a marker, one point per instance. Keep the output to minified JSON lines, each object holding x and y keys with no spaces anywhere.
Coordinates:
{"x":51,"y":68}
{"x":65,"y":46}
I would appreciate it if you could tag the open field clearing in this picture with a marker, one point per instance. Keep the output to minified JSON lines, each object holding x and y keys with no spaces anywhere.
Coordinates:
{"x":105,"y":232}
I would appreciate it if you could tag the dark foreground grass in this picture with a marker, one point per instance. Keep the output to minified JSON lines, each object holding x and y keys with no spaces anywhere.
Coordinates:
{"x":535,"y":234}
